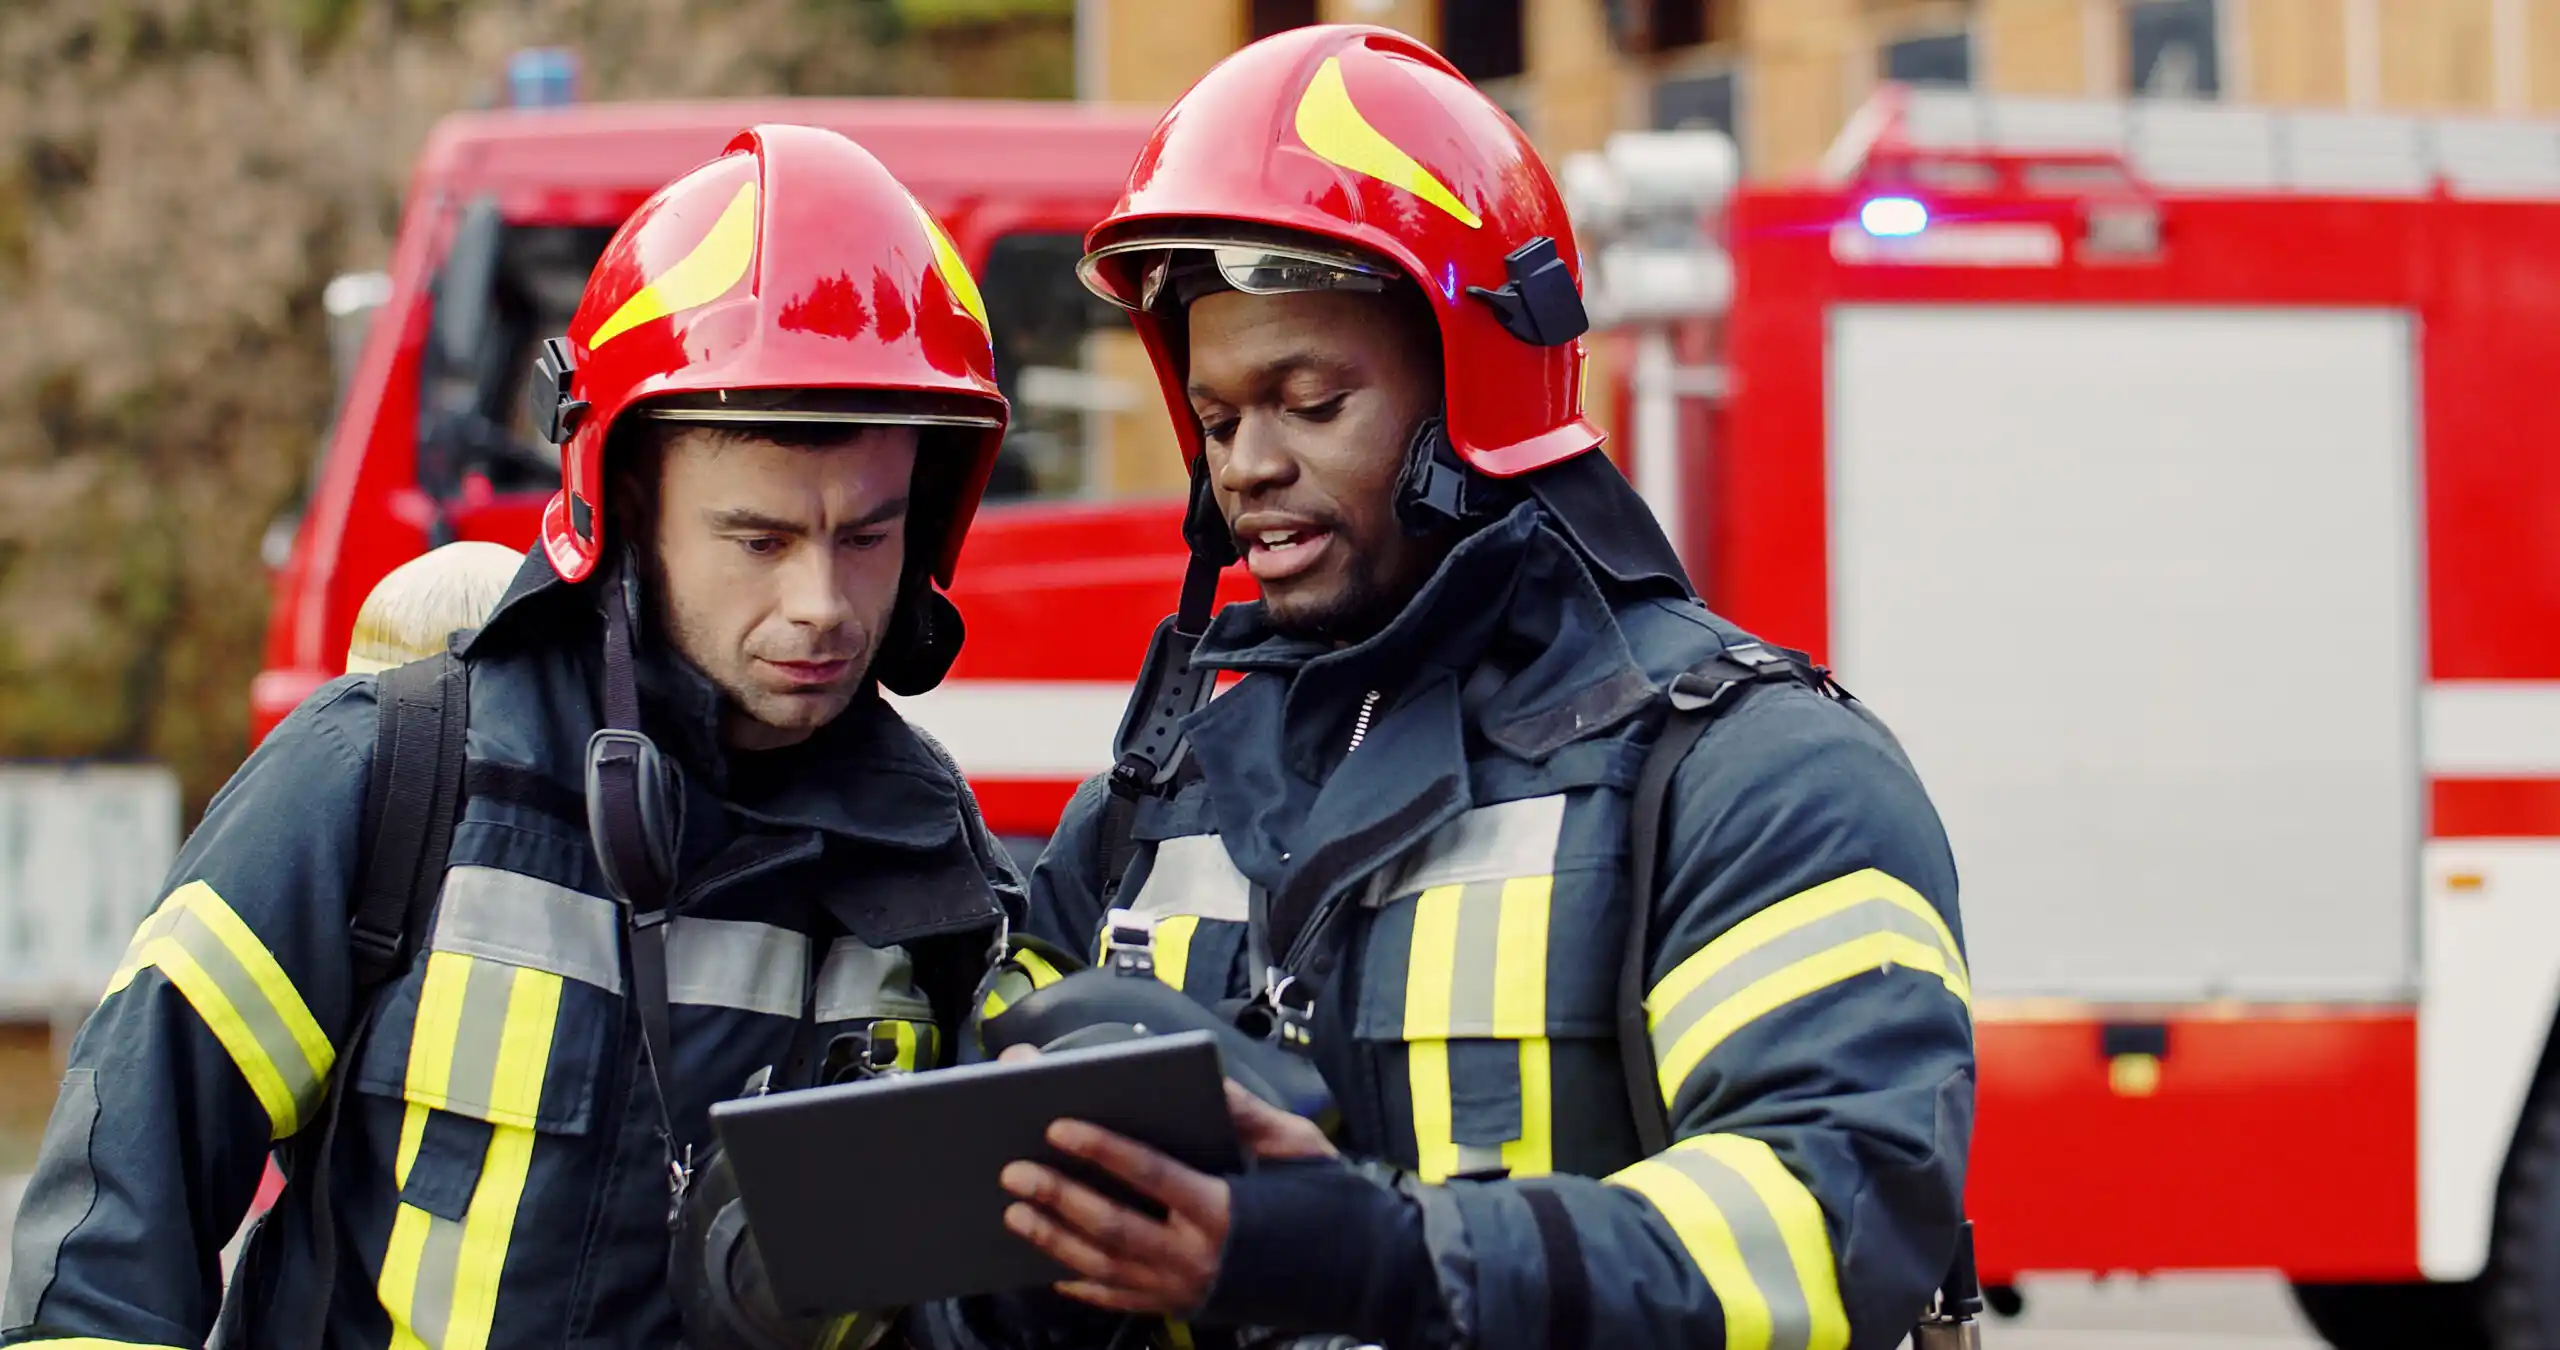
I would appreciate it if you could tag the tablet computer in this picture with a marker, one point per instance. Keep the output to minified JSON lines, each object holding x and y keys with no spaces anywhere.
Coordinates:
{"x":884,"y":1194}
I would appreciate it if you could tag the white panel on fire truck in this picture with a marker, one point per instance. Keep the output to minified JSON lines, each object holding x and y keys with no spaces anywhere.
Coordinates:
{"x":2195,"y":145}
{"x":2356,"y":154}
{"x":2138,"y":590}
{"x":2202,"y":145}
{"x":2500,"y":156}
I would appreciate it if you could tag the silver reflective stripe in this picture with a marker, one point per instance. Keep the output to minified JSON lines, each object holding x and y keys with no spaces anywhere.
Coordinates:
{"x":257,"y":1011}
{"x":1757,"y":1235}
{"x":526,"y":921}
{"x":439,"y":1261}
{"x":1475,"y":962}
{"x":859,"y":981}
{"x":57,"y":1198}
{"x":730,"y":963}
{"x":480,"y":1029}
{"x":1192,"y":874}
{"x":1832,"y":930}
{"x":1490,"y":843}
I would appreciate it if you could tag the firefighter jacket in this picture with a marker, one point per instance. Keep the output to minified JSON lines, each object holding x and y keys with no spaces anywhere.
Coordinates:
{"x":498,"y":1177}
{"x":1456,"y":891}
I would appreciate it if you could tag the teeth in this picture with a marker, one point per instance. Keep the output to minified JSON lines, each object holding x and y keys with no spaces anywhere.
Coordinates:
{"x":1276,"y":538}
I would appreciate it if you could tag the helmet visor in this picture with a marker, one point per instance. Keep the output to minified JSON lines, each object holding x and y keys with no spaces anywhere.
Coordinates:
{"x":1140,"y":274}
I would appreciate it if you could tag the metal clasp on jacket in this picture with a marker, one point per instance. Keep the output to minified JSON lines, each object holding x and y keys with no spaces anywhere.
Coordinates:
{"x":1129,"y":942}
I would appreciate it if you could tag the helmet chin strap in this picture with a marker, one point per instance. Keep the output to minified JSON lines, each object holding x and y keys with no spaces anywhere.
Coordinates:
{"x":1436,"y":490}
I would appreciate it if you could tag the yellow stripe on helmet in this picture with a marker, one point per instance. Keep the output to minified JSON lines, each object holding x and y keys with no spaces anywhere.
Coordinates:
{"x":1332,"y":127}
{"x":955,"y":273}
{"x":697,"y":278}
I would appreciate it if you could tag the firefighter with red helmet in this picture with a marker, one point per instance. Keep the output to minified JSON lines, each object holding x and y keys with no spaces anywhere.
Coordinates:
{"x":1626,"y":943}
{"x":684,"y":843}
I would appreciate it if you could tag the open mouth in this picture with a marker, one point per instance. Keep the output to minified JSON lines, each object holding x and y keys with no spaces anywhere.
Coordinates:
{"x":1278,"y":554}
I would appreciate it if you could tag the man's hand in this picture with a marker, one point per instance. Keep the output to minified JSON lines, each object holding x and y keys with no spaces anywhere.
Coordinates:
{"x":1129,"y":1261}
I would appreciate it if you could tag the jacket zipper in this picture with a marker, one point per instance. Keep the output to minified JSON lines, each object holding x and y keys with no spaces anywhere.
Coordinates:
{"x":1360,"y":729}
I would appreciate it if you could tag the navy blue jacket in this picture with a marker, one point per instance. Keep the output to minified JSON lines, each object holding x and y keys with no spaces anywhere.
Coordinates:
{"x":1457,"y":890}
{"x":499,"y":1179}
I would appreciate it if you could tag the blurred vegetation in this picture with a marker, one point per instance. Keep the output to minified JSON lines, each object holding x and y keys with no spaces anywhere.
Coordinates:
{"x":178,"y":181}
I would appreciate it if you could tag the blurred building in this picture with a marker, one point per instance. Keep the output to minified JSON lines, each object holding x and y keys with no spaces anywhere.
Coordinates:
{"x":1782,"y":75}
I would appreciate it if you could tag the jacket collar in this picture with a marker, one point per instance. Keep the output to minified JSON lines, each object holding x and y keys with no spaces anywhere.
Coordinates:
{"x":864,"y":777}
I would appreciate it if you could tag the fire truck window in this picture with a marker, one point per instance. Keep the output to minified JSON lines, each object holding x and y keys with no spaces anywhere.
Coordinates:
{"x":472,"y":415}
{"x":1929,"y":58}
{"x":1484,"y":40}
{"x":1088,"y":420}
{"x":2171,"y":48}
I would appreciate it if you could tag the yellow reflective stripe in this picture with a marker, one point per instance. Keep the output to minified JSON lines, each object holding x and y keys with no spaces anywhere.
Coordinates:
{"x":1709,"y":1240}
{"x":1799,"y":1219}
{"x":1172,"y":947}
{"x":1036,"y":966}
{"x":440,"y":1278}
{"x":243,"y":996}
{"x":1520,"y":958}
{"x":1331,"y":126}
{"x":1756,"y":1234}
{"x":1427,"y":1072}
{"x":902,"y":1034}
{"x":994,"y":1006}
{"x":438,"y":1025}
{"x":486,"y":1233}
{"x":1866,"y":921}
{"x":1431,"y":972}
{"x":1787,"y":915}
{"x":1858,"y":956}
{"x":697,"y":278}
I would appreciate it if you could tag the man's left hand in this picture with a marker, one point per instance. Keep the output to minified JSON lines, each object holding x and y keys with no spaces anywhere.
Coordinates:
{"x":1129,"y":1262}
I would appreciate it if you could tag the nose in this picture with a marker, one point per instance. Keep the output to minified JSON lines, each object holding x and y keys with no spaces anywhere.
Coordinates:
{"x":1256,"y":459}
{"x":813,"y":590}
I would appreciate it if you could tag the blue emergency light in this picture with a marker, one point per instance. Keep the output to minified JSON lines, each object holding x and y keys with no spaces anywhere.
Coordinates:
{"x":1893,"y":217}
{"x":542,"y":77}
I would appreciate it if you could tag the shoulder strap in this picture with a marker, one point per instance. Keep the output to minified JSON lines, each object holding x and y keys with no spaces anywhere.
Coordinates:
{"x":413,"y":795}
{"x":411,"y":801}
{"x":1697,"y":696}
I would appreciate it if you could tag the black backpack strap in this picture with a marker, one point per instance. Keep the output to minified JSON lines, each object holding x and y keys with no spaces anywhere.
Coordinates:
{"x":411,"y":802}
{"x":413,"y":797}
{"x":1698,"y":696}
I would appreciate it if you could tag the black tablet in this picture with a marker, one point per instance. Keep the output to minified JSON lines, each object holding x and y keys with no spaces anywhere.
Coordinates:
{"x":884,"y":1194}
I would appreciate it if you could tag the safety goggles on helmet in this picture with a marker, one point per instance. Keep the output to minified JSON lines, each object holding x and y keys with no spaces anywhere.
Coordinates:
{"x":855,"y":407}
{"x":1140,"y":273}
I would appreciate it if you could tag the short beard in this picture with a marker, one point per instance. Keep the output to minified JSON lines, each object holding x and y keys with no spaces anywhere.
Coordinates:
{"x":1353,"y":614}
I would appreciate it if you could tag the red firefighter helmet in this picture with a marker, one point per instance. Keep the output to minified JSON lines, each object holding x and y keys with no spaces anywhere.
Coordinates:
{"x":1331,"y":155}
{"x":789,"y":280}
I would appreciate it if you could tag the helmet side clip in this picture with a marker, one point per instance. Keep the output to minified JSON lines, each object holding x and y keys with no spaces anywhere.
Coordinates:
{"x":1539,"y":304}
{"x":555,"y":414}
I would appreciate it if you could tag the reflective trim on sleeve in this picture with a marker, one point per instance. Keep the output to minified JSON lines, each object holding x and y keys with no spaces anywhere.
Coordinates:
{"x":1478,"y":971}
{"x":484,"y":1032}
{"x":1757,"y":1236}
{"x":1861,"y":923}
{"x":244,"y":997}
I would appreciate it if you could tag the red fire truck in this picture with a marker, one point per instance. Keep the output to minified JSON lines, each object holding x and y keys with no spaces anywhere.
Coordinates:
{"x":2176,"y":479}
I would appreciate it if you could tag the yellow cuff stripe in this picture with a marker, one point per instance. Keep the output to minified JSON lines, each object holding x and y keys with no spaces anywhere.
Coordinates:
{"x":1757,"y":1236}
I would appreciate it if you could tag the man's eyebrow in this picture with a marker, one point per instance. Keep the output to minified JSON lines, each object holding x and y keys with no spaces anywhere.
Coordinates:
{"x":1279,"y":368}
{"x":744,"y":520}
